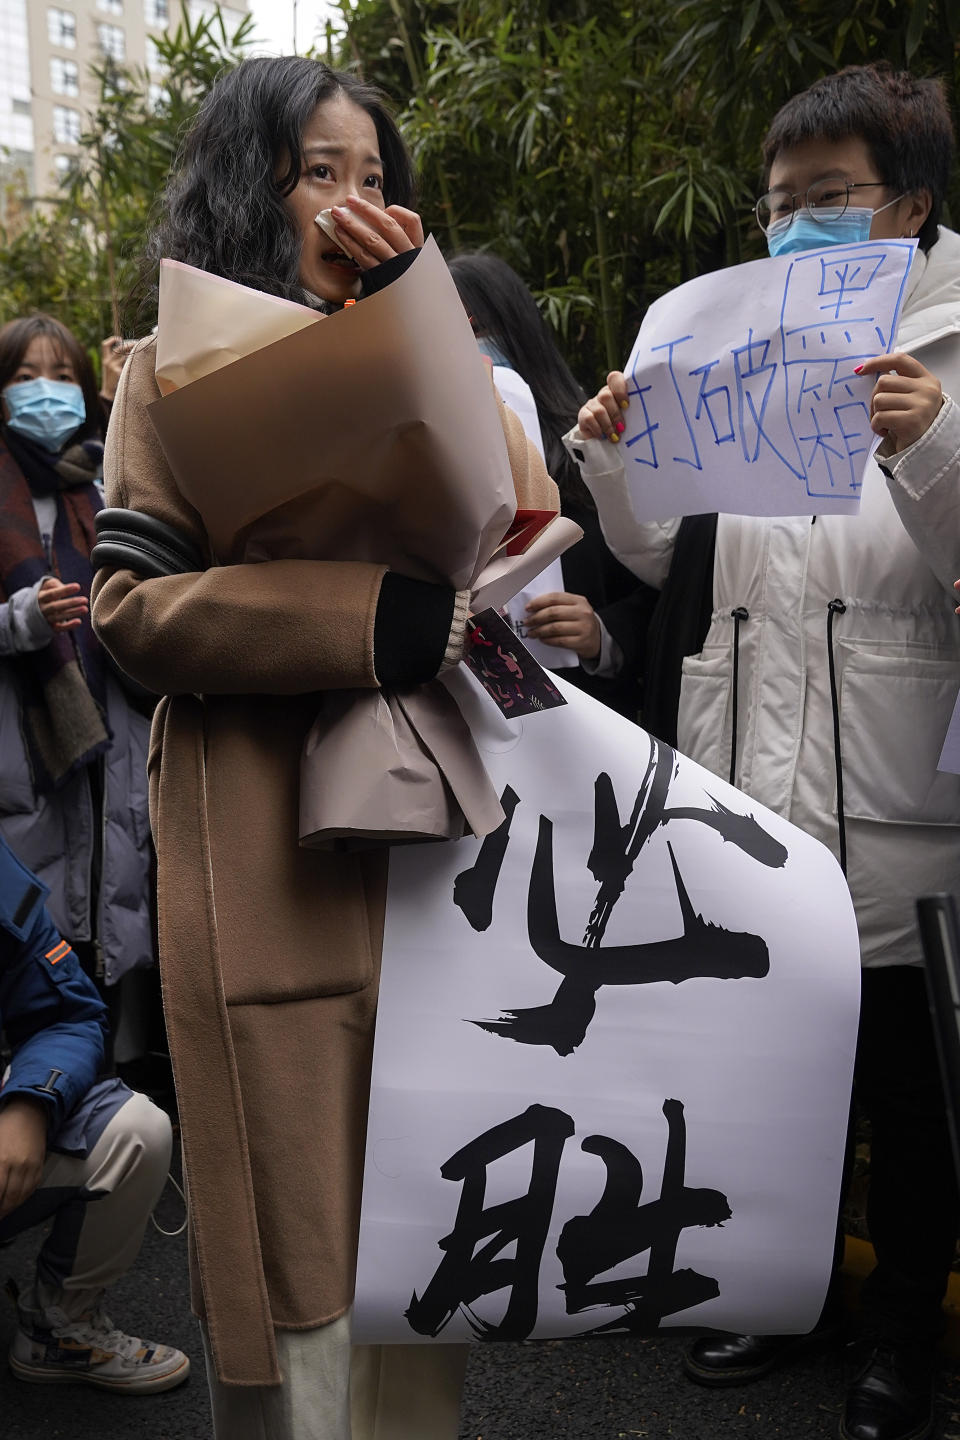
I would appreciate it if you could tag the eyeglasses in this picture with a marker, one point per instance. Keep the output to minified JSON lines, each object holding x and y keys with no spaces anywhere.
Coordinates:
{"x":831,"y":194}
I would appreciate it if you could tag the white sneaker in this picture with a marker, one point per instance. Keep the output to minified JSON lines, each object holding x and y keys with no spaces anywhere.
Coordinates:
{"x":51,"y":1349}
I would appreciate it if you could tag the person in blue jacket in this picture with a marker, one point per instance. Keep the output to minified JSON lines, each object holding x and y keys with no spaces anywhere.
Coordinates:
{"x":86,"y":1153}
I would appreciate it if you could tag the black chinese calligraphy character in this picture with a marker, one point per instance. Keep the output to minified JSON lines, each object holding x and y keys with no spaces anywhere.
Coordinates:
{"x":615,"y":846}
{"x":474,"y":889}
{"x":619,"y":1228}
{"x":703,"y":950}
{"x":744,"y":831}
{"x":474,"y":1264}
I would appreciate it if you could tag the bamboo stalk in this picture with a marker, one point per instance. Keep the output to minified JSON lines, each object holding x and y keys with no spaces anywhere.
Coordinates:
{"x":416,"y":80}
{"x":606,"y":293}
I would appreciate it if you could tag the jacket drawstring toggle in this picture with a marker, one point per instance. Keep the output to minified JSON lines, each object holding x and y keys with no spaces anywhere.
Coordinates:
{"x":738,"y":616}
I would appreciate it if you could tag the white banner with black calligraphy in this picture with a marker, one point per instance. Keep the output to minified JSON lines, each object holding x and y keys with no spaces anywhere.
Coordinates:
{"x":613,"y":1055}
{"x":744,"y":395}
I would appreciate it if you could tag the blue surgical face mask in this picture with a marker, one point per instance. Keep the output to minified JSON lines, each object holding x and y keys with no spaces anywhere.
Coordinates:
{"x":47,"y":411}
{"x":492,"y":350}
{"x":832,"y":227}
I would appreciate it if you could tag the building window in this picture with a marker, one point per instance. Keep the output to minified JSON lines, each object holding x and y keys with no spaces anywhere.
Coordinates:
{"x":21,"y":107}
{"x":64,"y":166}
{"x":208,"y":10}
{"x":110,"y":7}
{"x":62,"y":29}
{"x":64,"y":76}
{"x":156,"y":12}
{"x":154,"y":63}
{"x":110,"y":38}
{"x":66,"y":125}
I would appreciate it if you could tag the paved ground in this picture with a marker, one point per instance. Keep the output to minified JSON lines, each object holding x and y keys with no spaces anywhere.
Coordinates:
{"x":608,"y":1389}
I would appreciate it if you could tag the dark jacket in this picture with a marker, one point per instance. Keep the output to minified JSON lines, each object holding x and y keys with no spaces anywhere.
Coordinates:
{"x":622,"y":602}
{"x":50,"y":1011}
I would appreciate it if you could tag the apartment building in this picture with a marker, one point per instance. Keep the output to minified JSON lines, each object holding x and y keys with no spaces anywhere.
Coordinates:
{"x":46,"y":88}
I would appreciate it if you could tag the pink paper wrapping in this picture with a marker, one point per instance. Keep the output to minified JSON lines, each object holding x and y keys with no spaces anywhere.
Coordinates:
{"x":408,"y":754}
{"x":374,"y":435}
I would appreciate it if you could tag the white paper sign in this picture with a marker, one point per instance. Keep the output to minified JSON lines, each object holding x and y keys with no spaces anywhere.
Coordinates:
{"x":515,"y":392}
{"x":743,"y":397}
{"x":567,"y":1136}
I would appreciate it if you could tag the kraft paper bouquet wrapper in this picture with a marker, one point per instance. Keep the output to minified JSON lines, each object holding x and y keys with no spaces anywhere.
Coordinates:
{"x":372,"y":434}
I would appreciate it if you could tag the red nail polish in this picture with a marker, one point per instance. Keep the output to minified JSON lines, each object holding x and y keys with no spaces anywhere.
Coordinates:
{"x":857,"y":369}
{"x":620,"y":427}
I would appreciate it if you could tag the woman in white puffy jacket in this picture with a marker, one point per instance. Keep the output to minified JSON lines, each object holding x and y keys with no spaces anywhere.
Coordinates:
{"x":826,"y":683}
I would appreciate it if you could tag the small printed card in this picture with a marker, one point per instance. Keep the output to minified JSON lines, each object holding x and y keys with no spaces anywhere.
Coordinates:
{"x":506,"y":669}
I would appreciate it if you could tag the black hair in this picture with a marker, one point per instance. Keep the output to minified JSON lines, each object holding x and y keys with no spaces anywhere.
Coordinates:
{"x":500,"y":306}
{"x":904,"y":120}
{"x":223,"y":208}
{"x":15,"y":338}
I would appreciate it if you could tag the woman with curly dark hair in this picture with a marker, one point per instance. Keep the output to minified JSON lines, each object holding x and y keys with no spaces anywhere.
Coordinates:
{"x":269,"y":952}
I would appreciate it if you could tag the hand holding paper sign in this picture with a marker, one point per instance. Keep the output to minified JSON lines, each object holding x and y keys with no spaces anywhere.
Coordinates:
{"x":560,"y":618}
{"x":906,"y":399}
{"x":758,"y":408}
{"x":601,"y":418}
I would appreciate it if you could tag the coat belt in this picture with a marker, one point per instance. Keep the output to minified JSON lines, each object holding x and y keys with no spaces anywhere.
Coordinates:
{"x":223,"y":1213}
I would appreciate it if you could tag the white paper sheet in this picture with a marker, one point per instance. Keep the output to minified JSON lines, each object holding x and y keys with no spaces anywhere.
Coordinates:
{"x":743,"y":1082}
{"x":742,"y":392}
{"x":515,"y":392}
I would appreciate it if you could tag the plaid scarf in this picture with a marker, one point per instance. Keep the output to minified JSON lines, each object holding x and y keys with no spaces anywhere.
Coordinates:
{"x":61,"y":687}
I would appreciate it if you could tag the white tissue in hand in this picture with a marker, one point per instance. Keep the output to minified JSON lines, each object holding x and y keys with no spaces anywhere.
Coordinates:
{"x":328,"y":225}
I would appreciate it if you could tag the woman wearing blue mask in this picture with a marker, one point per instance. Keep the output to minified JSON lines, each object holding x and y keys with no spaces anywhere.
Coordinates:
{"x":842,"y":636}
{"x":72,"y":746}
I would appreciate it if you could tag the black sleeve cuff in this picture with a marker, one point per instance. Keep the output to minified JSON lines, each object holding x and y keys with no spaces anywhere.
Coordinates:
{"x":410,"y":630}
{"x":383,"y":275}
{"x":627,"y":621}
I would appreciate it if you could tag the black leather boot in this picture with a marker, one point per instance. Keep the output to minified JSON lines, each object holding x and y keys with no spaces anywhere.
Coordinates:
{"x":891,"y":1398}
{"x":738,"y":1359}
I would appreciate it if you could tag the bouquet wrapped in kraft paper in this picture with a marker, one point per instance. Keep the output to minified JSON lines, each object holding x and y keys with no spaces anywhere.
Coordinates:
{"x":372,"y":434}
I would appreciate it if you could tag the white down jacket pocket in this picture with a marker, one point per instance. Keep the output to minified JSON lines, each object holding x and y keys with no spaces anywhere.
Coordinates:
{"x":894,"y":713}
{"x":703,"y":724}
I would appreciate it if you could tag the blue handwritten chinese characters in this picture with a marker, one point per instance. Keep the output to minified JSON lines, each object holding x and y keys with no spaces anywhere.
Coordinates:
{"x":742,"y":386}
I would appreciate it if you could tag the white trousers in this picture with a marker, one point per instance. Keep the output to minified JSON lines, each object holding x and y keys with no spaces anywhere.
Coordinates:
{"x":332,"y":1391}
{"x":99,"y":1205}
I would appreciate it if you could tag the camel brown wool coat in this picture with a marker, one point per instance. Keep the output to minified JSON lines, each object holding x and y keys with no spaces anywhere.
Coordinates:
{"x":269,"y":953}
